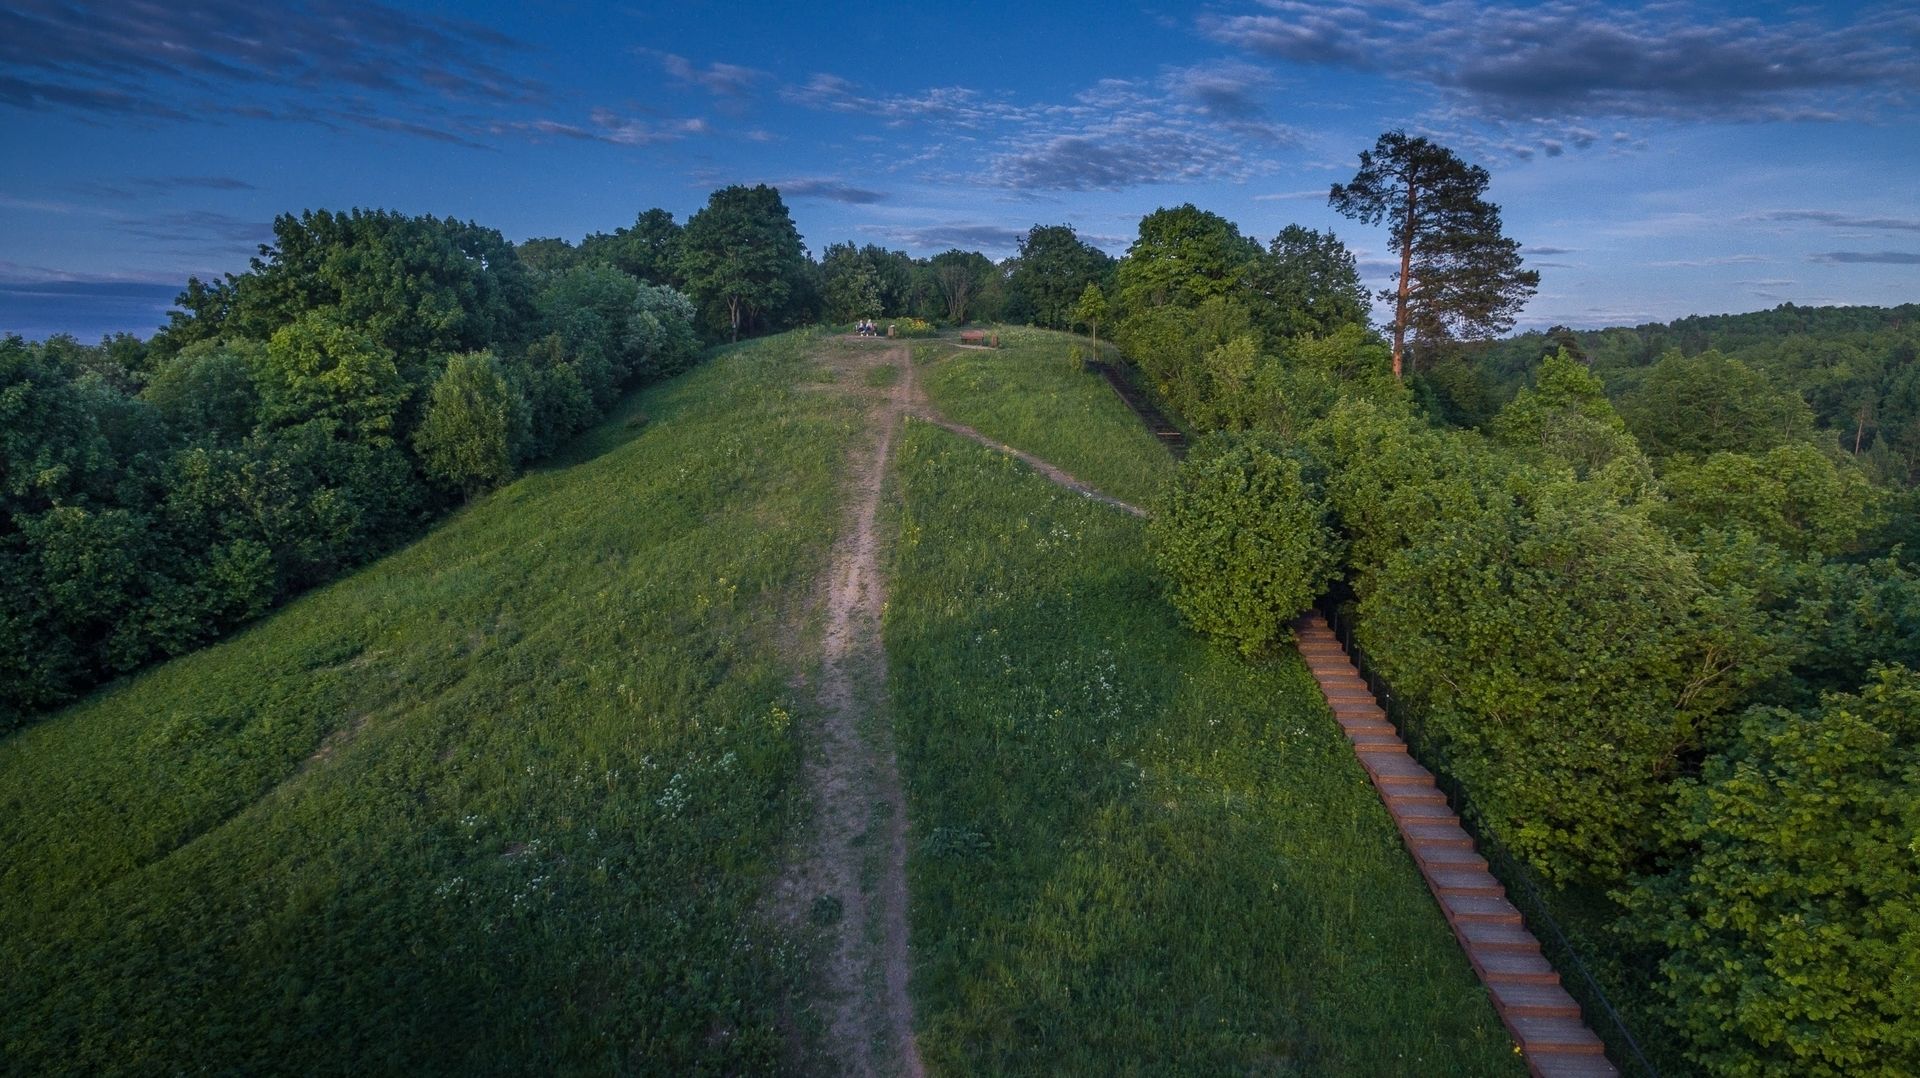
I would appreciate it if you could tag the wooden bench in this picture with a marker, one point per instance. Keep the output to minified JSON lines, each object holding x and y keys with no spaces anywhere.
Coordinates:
{"x":973,"y":336}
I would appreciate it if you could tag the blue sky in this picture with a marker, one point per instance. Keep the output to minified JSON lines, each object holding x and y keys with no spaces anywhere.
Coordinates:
{"x":1654,"y":161}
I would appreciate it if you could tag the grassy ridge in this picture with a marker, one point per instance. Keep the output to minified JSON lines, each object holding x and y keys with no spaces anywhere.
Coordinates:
{"x":1028,"y":395}
{"x":1135,"y":853}
{"x":502,"y":802}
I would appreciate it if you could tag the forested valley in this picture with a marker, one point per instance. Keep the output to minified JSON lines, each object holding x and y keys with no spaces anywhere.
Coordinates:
{"x":1654,"y":591}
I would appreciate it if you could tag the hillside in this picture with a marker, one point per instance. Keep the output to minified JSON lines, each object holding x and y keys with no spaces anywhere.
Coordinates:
{"x":514,"y":798}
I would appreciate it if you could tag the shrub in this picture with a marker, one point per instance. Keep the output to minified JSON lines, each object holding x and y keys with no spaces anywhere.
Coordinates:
{"x":1792,"y":922}
{"x":476,"y":428}
{"x":1243,"y":539}
{"x":911,"y":327}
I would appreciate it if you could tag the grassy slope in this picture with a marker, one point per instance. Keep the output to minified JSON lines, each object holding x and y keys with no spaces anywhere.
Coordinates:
{"x":1028,"y":395}
{"x":1135,"y":853}
{"x":501,"y":802}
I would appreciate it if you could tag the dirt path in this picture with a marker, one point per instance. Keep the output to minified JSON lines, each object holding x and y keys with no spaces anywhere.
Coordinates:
{"x":927,"y":413}
{"x":853,"y":881}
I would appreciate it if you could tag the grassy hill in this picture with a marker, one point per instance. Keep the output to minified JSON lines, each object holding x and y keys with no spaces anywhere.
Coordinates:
{"x":1138,"y":853}
{"x":507,"y":801}
{"x":501,"y":802}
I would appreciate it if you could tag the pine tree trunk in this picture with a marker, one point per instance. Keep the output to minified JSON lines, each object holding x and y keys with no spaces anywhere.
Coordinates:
{"x":1406,"y":268}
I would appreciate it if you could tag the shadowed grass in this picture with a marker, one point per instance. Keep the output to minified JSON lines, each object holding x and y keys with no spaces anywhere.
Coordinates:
{"x":1133,"y":852}
{"x":502,"y":802}
{"x":1028,"y":395}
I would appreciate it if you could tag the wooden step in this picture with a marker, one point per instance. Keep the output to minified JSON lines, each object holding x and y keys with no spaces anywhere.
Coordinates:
{"x":1460,"y":881}
{"x":1496,"y":937}
{"x":1444,"y":856}
{"x":1437,"y":833}
{"x":1376,"y":743}
{"x":1404,"y":809}
{"x":1396,"y":770}
{"x":1533,"y":1000}
{"x":1479,"y":908}
{"x":1539,"y":1034}
{"x":1570,"y":1065}
{"x":1515,"y":967}
{"x":1412,"y":795}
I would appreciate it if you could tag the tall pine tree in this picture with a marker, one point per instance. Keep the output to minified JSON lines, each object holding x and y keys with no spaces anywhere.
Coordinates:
{"x":1459,"y":276}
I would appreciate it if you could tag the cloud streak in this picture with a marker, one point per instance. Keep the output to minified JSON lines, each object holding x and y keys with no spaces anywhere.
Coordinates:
{"x":718,"y":79}
{"x":830,"y":191}
{"x":1882,"y":258}
{"x":987,"y":238}
{"x":1188,"y":125}
{"x":1845,"y":220}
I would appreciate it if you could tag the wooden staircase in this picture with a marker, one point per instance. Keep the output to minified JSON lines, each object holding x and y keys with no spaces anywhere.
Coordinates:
{"x":1542,"y":1018}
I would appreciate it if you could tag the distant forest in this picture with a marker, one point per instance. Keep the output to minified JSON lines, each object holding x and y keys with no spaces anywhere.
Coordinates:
{"x":1853,"y":367}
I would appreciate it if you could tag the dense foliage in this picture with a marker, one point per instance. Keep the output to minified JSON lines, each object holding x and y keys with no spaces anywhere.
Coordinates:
{"x":1848,"y":372}
{"x":1790,"y":919}
{"x":1650,"y":592}
{"x":288,"y":423}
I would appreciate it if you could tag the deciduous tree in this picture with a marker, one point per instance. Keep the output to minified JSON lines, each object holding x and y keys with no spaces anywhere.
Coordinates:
{"x":742,"y":251}
{"x":1053,"y":268}
{"x":1311,"y":282}
{"x":959,"y":276}
{"x":1090,"y":311}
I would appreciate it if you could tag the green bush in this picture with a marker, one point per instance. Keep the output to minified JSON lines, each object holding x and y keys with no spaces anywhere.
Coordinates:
{"x":1243,"y":538}
{"x":1792,"y":921}
{"x":477,"y":427}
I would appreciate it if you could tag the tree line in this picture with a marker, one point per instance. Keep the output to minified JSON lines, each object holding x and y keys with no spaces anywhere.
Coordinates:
{"x":742,"y":261}
{"x":1665,"y":637}
{"x":367,"y":372}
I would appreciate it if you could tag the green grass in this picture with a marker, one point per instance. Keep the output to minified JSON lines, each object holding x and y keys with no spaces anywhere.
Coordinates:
{"x":1134,"y":853}
{"x":1027,"y":394}
{"x":503,"y":802}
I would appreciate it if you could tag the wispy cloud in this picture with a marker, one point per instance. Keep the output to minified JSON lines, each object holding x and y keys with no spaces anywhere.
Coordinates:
{"x":719,"y":79}
{"x":988,"y":238}
{"x":829,"y":190}
{"x":1186,"y":125}
{"x":1720,"y":260}
{"x":1845,"y":220}
{"x":1884,"y":258}
{"x":320,"y":61}
{"x":1559,"y":59}
{"x":199,"y":228}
